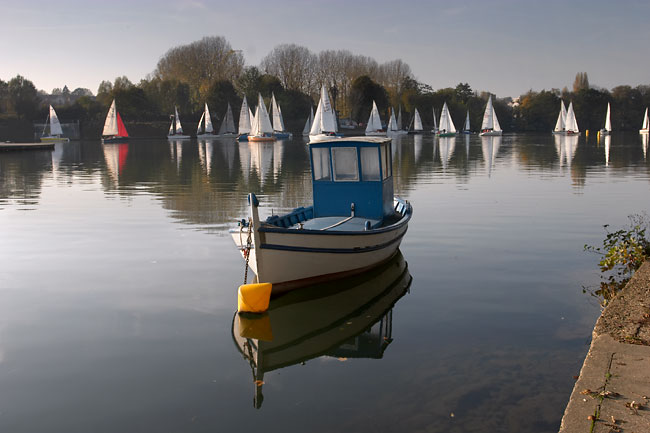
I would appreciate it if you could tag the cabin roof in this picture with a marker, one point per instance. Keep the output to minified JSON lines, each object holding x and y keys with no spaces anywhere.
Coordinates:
{"x":359,"y":139}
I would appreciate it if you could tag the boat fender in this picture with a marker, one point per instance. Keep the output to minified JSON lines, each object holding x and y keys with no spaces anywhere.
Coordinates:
{"x":253,"y":298}
{"x":253,"y":198}
{"x":257,"y":326}
{"x":368,"y":225}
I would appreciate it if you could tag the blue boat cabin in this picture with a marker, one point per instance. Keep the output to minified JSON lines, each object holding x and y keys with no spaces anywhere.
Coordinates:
{"x":352,"y":176}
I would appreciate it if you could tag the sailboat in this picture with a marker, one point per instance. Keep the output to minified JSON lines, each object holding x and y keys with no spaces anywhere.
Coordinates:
{"x":55,"y":131}
{"x":244,"y":121}
{"x":114,"y":129}
{"x":446,"y":128}
{"x":466,"y":129}
{"x":175,"y":128}
{"x":227,"y":128}
{"x":392,"y":128}
{"x":205,"y":129}
{"x":645,"y":127}
{"x":571,"y":124}
{"x":435,"y":122}
{"x":608,"y":124}
{"x":308,"y":123}
{"x":417,"y":123}
{"x":561,"y":120}
{"x":324,"y":125}
{"x":374,"y":126}
{"x":490,"y":125}
{"x":261,"y":128}
{"x":278,"y":122}
{"x":400,"y":125}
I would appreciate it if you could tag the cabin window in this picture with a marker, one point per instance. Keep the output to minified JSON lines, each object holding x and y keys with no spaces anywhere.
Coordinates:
{"x":370,"y":163}
{"x":385,"y":161}
{"x":321,"y":157}
{"x":346,"y":166}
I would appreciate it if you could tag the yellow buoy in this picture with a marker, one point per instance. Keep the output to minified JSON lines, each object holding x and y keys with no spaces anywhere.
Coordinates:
{"x":253,"y":298}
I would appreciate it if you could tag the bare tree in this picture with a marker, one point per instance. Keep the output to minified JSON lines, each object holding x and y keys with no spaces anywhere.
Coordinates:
{"x":581,"y":82}
{"x":294,"y":65}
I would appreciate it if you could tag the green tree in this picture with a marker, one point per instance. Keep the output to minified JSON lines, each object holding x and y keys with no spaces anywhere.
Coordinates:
{"x":23,"y":98}
{"x":362,"y":93}
{"x":463,"y":92}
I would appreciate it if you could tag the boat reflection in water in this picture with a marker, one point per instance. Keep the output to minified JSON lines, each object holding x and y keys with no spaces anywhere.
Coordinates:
{"x":115,"y":156}
{"x":349,"y":318}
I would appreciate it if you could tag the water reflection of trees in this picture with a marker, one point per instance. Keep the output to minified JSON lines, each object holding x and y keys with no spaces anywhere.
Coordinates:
{"x":206,"y":182}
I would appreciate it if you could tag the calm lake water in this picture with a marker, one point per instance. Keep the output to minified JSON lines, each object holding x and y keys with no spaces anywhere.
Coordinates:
{"x":118,"y":288}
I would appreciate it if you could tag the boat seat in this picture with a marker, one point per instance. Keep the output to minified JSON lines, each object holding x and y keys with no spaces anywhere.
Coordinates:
{"x":296,"y":216}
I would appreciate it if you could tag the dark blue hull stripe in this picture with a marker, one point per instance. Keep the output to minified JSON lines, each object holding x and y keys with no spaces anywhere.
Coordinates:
{"x":333,"y":250}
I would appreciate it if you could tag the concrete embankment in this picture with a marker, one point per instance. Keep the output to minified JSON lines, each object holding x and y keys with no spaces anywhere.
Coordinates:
{"x":612,"y":393}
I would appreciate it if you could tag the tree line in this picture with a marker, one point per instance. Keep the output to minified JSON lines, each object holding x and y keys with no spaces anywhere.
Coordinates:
{"x":210,"y":70}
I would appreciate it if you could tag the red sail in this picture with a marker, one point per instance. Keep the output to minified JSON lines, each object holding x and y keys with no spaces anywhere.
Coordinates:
{"x":121,"y":129}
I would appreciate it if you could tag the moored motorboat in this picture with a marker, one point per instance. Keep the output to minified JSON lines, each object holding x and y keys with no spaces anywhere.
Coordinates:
{"x":354,"y":223}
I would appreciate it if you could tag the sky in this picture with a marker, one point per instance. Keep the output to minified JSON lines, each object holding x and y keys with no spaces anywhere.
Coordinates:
{"x":505,"y":47}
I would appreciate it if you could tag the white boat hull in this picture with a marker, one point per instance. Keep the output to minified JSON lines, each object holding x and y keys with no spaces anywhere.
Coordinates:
{"x":292,"y":258}
{"x":491,"y":134}
{"x":643,"y":131}
{"x":376,"y":133}
{"x":178,"y":137}
{"x":604,"y":132}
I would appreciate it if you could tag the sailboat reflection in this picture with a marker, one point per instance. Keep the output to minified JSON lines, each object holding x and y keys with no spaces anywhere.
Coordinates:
{"x":350,"y":318}
{"x":490,"y":148}
{"x":644,"y":145}
{"x":115,"y":156}
{"x":447,"y":146}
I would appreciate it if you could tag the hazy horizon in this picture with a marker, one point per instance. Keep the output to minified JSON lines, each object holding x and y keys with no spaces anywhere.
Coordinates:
{"x":506,"y":47}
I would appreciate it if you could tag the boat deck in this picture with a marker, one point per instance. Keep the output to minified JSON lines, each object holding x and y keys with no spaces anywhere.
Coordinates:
{"x":337,"y":223}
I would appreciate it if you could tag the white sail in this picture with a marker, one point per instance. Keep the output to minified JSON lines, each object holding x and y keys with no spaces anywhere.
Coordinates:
{"x":490,"y":121}
{"x":374,"y":122}
{"x":208,"y":120}
{"x":324,"y":119}
{"x":435,"y":121}
{"x":179,"y":128}
{"x":309,"y":122}
{"x":392,"y":122}
{"x":446,"y":123}
{"x":561,"y":118}
{"x":608,"y":123}
{"x":646,"y":122}
{"x":571,"y":123}
{"x":417,"y":123}
{"x":399,"y":118}
{"x":110,"y":125}
{"x":244,"y":118}
{"x":171,"y":128}
{"x":55,"y":125}
{"x":228,"y":123}
{"x":466,"y":128}
{"x":278,"y":123}
{"x":199,"y":128}
{"x":262,"y":124}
